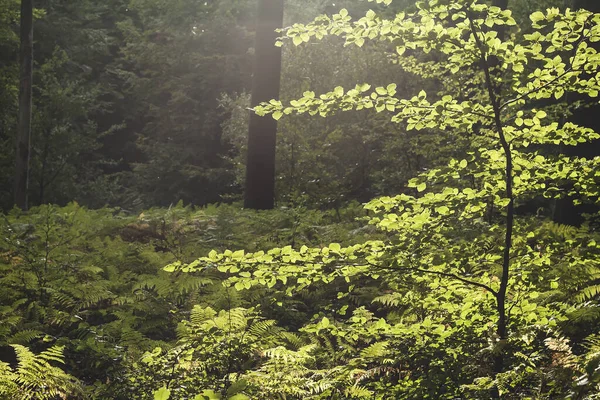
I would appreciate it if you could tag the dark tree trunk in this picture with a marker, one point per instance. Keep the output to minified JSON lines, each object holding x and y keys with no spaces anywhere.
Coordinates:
{"x":494,"y":64}
{"x":25,"y":87}
{"x":260,"y":165}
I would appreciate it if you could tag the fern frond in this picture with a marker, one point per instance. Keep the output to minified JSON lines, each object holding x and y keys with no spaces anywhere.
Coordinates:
{"x":131,"y":337}
{"x":563,"y":354}
{"x":189,"y":284}
{"x":358,"y":392}
{"x":8,"y":378}
{"x":588,"y":293}
{"x":200,"y":314}
{"x":389,"y":299}
{"x":64,"y":300}
{"x":560,"y":230}
{"x":375,"y":351}
{"x":281,"y":354}
{"x":293,"y":340}
{"x":24,"y":337}
{"x":36,"y":378}
{"x":263,"y":328}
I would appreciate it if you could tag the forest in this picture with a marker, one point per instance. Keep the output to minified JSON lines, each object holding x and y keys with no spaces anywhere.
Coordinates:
{"x":299,"y":199}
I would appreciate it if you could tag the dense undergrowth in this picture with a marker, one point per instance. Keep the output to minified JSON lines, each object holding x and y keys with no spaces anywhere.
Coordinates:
{"x":92,"y":282}
{"x":86,"y":293}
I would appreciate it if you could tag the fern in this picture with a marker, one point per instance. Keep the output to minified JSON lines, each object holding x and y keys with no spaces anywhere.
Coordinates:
{"x":358,"y":392}
{"x":24,"y":337}
{"x":592,"y":344}
{"x":281,"y":354}
{"x":389,"y":299}
{"x":376,"y":351}
{"x":561,"y":231}
{"x":36,"y":378}
{"x":588,"y":293}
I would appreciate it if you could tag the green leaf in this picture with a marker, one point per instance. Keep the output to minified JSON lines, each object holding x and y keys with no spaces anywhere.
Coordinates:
{"x":442,"y":210}
{"x":537,"y":16}
{"x":239,"y":396}
{"x":235,"y":389}
{"x":335,"y":247}
{"x":172,"y":267}
{"x":277,"y":115}
{"x":421,"y":187}
{"x":162,"y":394}
{"x":238,"y":254}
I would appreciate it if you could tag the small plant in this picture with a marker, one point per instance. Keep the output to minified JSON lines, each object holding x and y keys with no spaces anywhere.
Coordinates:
{"x":36,"y":378}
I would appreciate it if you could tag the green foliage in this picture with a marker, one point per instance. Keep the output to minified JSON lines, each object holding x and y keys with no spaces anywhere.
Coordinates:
{"x":92,"y":280}
{"x":355,"y":156}
{"x":473,"y":290}
{"x":213,"y":349}
{"x":442,"y":288}
{"x":36,"y":378}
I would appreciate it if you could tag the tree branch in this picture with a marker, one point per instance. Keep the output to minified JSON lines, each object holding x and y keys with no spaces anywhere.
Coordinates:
{"x":509,"y":102}
{"x":444,"y":274}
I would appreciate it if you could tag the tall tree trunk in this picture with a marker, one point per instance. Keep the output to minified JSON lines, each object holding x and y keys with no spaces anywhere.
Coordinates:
{"x":25,"y":88}
{"x":260,"y":164}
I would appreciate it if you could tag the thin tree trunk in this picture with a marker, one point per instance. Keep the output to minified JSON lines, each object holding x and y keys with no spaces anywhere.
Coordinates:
{"x":25,"y":95}
{"x":260,"y":165}
{"x":501,"y":294}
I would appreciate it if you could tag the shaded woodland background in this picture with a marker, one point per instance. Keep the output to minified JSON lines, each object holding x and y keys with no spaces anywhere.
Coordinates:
{"x":144,"y":103}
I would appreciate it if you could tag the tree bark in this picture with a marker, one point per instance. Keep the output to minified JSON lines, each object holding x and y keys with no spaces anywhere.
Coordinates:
{"x":25,"y":99}
{"x":501,"y":294}
{"x":260,"y":164}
